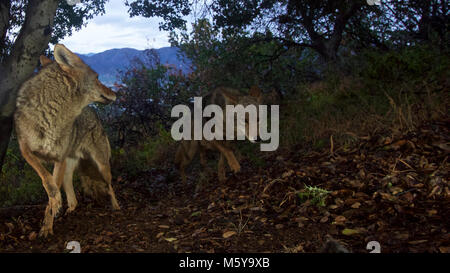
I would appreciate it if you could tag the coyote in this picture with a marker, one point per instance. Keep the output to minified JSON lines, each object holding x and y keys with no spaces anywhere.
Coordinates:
{"x":54,"y":124}
{"x":188,"y":149}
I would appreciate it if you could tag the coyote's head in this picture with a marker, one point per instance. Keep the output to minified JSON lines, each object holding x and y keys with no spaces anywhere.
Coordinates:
{"x":255,"y":98}
{"x":84,"y":76}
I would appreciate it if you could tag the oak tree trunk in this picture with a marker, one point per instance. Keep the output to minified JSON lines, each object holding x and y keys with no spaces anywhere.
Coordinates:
{"x":19,"y":65}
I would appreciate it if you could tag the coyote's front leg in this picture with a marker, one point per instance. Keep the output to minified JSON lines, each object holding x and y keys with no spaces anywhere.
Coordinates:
{"x":54,"y":204}
{"x":50,"y":185}
{"x":229,"y":155}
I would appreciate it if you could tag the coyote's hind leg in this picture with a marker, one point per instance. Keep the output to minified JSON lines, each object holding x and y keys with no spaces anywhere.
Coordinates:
{"x":72,"y":202}
{"x":180,"y":162}
{"x":221,"y":168}
{"x":184,"y":156}
{"x":105,"y":171}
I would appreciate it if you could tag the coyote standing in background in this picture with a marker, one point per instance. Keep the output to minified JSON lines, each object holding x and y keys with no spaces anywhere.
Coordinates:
{"x":54,"y":124}
{"x":188,"y":149}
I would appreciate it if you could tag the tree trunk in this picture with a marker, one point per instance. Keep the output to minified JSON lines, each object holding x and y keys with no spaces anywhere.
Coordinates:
{"x":4,"y":21}
{"x":327,"y":49}
{"x":31,"y":42}
{"x":6,"y":125}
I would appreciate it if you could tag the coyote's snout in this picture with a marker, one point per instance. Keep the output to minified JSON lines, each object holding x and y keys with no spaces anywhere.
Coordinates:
{"x":188,"y":149}
{"x":54,"y":124}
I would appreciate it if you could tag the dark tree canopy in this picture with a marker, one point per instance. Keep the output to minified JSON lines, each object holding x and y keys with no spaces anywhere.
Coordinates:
{"x":172,"y":11}
{"x":67,"y":19}
{"x":318,"y":24}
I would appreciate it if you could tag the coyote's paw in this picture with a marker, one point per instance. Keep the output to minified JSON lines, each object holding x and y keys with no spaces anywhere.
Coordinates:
{"x":45,"y":231}
{"x":71,"y":204}
{"x":236,"y":168}
{"x":115,"y":205}
{"x":55,"y":204}
{"x":69,"y":210}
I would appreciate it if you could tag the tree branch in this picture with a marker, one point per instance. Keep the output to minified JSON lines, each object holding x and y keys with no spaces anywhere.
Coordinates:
{"x":31,"y":42}
{"x":341,"y":21}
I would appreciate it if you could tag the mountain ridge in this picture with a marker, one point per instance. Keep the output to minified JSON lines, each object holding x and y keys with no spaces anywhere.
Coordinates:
{"x":109,"y":62}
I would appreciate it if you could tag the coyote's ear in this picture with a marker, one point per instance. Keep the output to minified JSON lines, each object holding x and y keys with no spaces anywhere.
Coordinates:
{"x":65,"y":58}
{"x":255,"y":91}
{"x":230,"y":98}
{"x":273,"y":97}
{"x":44,"y":60}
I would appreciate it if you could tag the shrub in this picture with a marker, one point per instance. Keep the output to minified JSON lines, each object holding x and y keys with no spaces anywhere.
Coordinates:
{"x":390,"y":92}
{"x":19,"y":183}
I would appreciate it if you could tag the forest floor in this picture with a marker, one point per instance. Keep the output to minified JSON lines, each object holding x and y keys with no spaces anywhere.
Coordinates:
{"x":394,"y":191}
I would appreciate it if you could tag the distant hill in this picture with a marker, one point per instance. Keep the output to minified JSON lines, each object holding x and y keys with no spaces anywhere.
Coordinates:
{"x":109,"y":62}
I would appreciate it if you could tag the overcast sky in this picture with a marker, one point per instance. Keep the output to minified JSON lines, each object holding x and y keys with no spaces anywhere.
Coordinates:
{"x":115,"y":29}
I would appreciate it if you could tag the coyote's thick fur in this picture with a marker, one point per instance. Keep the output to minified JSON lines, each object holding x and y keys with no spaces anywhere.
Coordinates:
{"x":188,"y":149}
{"x":54,"y":124}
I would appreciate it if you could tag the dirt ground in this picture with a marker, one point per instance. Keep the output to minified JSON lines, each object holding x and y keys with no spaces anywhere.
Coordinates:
{"x":394,"y":191}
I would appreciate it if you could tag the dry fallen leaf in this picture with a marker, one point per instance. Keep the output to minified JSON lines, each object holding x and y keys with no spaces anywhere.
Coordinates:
{"x":444,"y":249}
{"x":350,"y":232}
{"x":32,"y":236}
{"x":228,"y":234}
{"x":417,"y":242}
{"x":432,"y":212}
{"x":340,"y":219}
{"x":10,"y":226}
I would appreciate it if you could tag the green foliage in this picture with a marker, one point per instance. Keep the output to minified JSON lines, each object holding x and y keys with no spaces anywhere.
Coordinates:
{"x":315,"y":195}
{"x":240,"y":60}
{"x":172,"y":11}
{"x":321,"y":25}
{"x":146,"y":95}
{"x":19,"y":183}
{"x":151,"y":152}
{"x":74,"y":17}
{"x":269,"y":44}
{"x":383,"y":90}
{"x":410,"y":64}
{"x":67,"y":19}
{"x":251,"y":152}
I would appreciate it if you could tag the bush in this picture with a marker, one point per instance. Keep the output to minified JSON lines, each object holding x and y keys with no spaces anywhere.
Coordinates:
{"x":315,"y":195}
{"x":19,"y":183}
{"x":151,"y":152}
{"x":387,"y":92}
